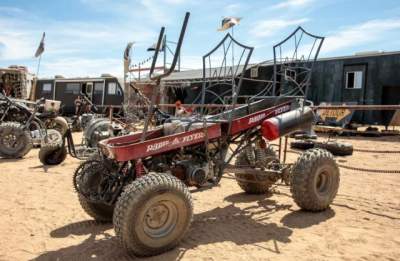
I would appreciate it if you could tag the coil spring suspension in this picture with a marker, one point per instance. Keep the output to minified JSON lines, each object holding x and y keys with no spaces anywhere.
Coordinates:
{"x":139,"y":168}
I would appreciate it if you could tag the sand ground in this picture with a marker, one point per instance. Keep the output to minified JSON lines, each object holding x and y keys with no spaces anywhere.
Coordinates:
{"x":40,"y":217}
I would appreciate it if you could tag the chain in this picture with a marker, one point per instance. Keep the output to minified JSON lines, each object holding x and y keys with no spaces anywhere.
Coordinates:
{"x":361,"y":169}
{"x":377,"y":151}
{"x":370,"y":170}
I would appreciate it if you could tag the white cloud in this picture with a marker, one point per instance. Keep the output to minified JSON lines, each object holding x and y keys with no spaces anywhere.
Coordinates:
{"x":292,"y":4}
{"x":150,"y":11}
{"x":78,"y":66}
{"x":86,"y":41}
{"x":232,"y":9}
{"x":270,"y":27}
{"x":360,"y":34}
{"x":175,"y":2}
{"x":155,"y":11}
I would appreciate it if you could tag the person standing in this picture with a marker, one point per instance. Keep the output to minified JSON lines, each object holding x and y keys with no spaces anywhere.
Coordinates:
{"x":78,"y":105}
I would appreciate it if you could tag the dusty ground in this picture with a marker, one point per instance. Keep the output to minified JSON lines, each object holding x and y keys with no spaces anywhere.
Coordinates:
{"x":40,"y":217}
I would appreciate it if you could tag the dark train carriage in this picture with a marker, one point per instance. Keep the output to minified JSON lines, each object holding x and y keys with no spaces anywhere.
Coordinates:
{"x":364,"y":79}
{"x":370,"y":78}
{"x":102,"y":91}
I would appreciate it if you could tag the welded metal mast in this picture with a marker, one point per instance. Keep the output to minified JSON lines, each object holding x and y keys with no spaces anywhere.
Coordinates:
{"x":158,"y":78}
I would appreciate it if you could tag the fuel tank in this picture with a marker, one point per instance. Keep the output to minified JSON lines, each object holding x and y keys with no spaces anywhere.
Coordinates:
{"x":288,"y":122}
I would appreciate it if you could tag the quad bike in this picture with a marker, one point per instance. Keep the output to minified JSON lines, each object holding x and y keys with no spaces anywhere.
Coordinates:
{"x":140,"y":181}
{"x":22,"y":127}
{"x":16,"y":110}
{"x":96,"y":129}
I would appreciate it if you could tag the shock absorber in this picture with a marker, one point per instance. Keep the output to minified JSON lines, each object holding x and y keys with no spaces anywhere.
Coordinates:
{"x":139,"y":168}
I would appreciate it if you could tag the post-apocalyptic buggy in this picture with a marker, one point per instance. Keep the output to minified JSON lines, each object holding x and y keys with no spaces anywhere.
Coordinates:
{"x":140,"y":181}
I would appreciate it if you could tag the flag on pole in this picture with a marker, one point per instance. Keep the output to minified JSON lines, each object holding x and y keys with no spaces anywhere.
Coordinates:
{"x":40,"y":48}
{"x":153,"y":47}
{"x":127,"y":53}
{"x":229,"y":22}
{"x":127,"y":56}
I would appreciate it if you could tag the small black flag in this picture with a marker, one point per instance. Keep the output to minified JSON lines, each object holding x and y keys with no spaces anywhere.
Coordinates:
{"x":40,"y":48}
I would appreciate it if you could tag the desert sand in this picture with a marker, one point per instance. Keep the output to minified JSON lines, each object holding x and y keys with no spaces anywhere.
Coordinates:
{"x":40,"y":217}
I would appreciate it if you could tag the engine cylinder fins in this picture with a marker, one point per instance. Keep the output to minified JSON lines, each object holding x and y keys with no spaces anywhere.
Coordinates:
{"x":197,"y":176}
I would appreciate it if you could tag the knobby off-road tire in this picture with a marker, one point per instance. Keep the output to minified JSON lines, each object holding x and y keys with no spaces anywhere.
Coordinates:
{"x":52,"y":154}
{"x":314,"y":180}
{"x":336,"y":148}
{"x":100,"y":212}
{"x":15,"y":141}
{"x":250,"y":184}
{"x":153,"y":214}
{"x":302,"y":144}
{"x":59,"y":124}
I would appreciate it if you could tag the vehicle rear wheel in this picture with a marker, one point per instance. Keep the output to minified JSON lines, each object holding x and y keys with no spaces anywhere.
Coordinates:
{"x":52,"y":154}
{"x":314,"y":180}
{"x":59,"y":124}
{"x":153,"y":214}
{"x":255,"y":157}
{"x":15,"y":141}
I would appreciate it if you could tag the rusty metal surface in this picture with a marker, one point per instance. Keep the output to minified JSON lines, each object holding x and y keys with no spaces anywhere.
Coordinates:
{"x":395,"y":121}
{"x":250,"y":171}
{"x":129,"y":147}
{"x":331,"y":107}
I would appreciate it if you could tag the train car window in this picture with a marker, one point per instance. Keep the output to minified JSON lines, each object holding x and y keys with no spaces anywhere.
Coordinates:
{"x":112,"y":88}
{"x":98,"y":88}
{"x":119,"y":91}
{"x":73,"y":88}
{"x":354,"y":80}
{"x":46,"y":88}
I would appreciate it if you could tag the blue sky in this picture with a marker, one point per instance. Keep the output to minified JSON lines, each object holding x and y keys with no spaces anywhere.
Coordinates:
{"x":87,"y":37}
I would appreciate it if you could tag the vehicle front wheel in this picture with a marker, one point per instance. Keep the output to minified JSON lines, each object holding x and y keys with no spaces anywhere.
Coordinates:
{"x":153,"y":214}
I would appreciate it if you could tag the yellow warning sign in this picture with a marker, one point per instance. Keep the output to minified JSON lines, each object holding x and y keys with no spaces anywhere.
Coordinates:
{"x":336,"y":114}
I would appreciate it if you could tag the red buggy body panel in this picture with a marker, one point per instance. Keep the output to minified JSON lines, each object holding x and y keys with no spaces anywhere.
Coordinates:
{"x":256,"y":118}
{"x":129,"y":147}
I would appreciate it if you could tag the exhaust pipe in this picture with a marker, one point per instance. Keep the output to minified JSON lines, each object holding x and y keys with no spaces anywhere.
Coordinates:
{"x":288,"y":122}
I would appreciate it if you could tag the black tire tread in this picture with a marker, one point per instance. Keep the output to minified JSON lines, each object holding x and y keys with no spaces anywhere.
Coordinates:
{"x":132,"y":196}
{"x":252,"y":187}
{"x":301,"y":174}
{"x":47,"y":149}
{"x":336,"y":148}
{"x":16,"y":126}
{"x":302,"y":144}
{"x":98,"y":211}
{"x":61,"y":125}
